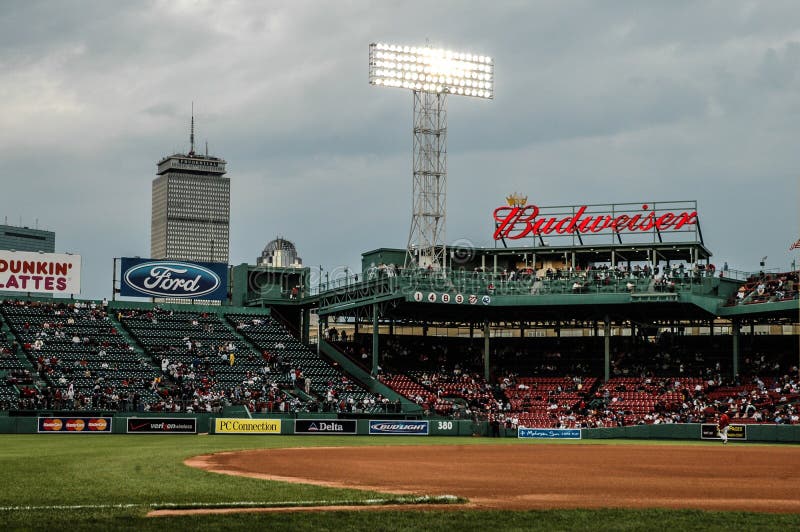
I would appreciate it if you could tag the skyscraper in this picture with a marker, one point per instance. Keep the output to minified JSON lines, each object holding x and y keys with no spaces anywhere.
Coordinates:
{"x":191,"y":208}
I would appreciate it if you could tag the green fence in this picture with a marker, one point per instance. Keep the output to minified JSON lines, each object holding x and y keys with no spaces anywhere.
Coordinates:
{"x":284,"y":424}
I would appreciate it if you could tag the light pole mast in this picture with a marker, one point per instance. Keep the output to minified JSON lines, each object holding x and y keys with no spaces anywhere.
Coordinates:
{"x":426,"y":238}
{"x":431,"y":74}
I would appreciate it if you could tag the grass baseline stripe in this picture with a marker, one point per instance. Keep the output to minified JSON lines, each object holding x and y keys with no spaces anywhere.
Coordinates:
{"x":424,"y":499}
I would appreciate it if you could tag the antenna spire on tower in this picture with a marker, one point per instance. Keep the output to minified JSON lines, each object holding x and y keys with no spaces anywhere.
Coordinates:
{"x":191,"y":133}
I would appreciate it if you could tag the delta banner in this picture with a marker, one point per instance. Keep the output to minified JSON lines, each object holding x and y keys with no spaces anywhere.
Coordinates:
{"x":708,"y":431}
{"x":247,"y":426}
{"x":40,"y":273}
{"x":174,"y":279}
{"x":548,"y":434}
{"x":157,"y":425}
{"x":74,"y":425}
{"x":325,"y":426}
{"x":399,"y":427}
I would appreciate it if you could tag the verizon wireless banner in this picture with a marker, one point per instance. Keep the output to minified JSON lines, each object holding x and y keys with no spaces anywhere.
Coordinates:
{"x":162,"y":425}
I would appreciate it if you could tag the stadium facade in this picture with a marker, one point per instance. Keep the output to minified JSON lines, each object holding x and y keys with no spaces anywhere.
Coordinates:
{"x":583,"y":316}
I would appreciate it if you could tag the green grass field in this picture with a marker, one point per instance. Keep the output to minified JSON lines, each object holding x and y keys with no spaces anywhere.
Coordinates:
{"x":111,"y":482}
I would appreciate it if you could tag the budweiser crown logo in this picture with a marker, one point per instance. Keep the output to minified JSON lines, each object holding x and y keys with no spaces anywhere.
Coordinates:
{"x":517,"y":200}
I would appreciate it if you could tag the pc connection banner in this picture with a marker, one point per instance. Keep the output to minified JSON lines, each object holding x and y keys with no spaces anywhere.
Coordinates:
{"x":40,"y":273}
{"x":247,"y":426}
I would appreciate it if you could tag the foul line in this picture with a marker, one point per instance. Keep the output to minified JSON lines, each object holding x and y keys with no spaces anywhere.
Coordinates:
{"x":425,"y":499}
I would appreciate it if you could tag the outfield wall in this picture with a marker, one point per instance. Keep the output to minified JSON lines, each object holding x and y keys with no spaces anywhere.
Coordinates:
{"x":330,"y":424}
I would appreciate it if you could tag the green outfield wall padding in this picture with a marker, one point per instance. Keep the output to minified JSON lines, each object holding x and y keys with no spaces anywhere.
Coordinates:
{"x":602,"y":434}
{"x":445,"y":427}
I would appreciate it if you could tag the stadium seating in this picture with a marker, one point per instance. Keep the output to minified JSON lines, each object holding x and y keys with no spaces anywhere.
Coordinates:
{"x":71,"y":355}
{"x":78,"y":357}
{"x":328,"y":385}
{"x":766,"y":288}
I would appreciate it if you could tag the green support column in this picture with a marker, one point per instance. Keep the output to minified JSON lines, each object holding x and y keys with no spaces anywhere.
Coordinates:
{"x":736,"y":326}
{"x":375,"y":340}
{"x":607,"y":346}
{"x":306,"y":333}
{"x":486,"y":351}
{"x":323,"y":325}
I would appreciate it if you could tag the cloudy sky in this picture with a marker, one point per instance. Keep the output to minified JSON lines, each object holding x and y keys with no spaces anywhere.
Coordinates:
{"x":594,"y":102}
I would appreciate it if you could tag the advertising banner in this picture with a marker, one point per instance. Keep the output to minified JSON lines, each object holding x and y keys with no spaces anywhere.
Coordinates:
{"x":72,"y":425}
{"x":247,"y":426}
{"x":159,"y":425}
{"x":40,"y":273}
{"x":324,"y":426}
{"x":708,"y":431}
{"x":399,"y":427}
{"x":174,"y":279}
{"x":519,"y":219}
{"x":548,"y":434}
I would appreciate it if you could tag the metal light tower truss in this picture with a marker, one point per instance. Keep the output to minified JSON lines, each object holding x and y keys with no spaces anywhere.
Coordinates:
{"x":431,"y":74}
{"x":426,"y":238}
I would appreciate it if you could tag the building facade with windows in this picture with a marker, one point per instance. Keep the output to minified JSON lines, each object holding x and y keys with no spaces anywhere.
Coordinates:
{"x":14,"y":238}
{"x":191,"y":209}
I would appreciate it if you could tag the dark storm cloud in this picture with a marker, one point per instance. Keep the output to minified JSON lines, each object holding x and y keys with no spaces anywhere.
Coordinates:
{"x":622,"y":101}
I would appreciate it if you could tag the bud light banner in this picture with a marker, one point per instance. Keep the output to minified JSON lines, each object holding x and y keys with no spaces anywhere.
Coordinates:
{"x":407,"y":428}
{"x":170,"y":278}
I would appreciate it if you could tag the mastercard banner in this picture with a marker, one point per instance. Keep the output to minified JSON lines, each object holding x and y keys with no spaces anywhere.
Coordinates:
{"x":86,"y":425}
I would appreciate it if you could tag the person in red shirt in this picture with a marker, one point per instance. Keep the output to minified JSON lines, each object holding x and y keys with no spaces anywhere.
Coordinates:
{"x":722,"y":427}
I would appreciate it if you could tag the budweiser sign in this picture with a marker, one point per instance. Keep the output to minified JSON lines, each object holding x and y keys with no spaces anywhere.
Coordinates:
{"x":518,"y":221}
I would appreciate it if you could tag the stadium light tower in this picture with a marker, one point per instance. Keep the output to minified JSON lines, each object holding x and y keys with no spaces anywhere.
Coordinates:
{"x":431,"y":74}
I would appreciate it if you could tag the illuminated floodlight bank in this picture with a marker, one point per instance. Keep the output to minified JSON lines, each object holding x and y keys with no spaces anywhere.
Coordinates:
{"x":432,"y":74}
{"x":431,"y":70}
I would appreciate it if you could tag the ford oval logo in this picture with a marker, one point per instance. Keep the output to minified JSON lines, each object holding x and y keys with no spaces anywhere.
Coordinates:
{"x":172,"y":279}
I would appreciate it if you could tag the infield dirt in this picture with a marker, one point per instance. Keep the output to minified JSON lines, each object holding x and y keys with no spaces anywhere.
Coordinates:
{"x":543,"y":476}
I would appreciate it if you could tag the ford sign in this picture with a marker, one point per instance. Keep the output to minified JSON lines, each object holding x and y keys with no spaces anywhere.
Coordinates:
{"x":163,"y":278}
{"x":408,"y":428}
